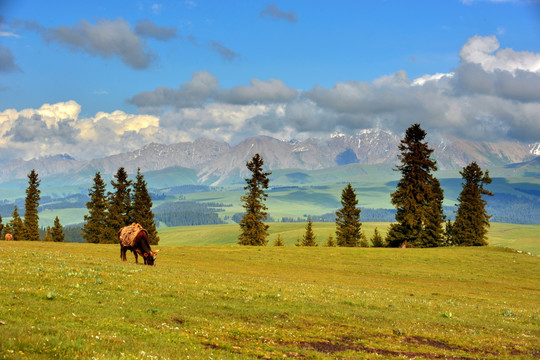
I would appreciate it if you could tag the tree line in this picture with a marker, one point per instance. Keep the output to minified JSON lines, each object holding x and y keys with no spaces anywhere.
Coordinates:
{"x":418,"y":199}
{"x":27,"y":227}
{"x":108,"y":212}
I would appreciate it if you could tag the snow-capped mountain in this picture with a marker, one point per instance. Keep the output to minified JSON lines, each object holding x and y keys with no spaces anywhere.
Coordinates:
{"x":217,"y":161}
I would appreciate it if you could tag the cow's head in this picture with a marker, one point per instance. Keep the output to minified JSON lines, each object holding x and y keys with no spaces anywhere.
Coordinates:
{"x":149,"y":258}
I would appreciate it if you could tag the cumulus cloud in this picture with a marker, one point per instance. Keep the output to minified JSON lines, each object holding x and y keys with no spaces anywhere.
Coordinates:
{"x":273,"y":12}
{"x":7,"y":60}
{"x":194,"y":93}
{"x":225,"y":53}
{"x":273,"y":90}
{"x":106,"y":39}
{"x":147,"y":28}
{"x":204,"y":88}
{"x":57,"y":129}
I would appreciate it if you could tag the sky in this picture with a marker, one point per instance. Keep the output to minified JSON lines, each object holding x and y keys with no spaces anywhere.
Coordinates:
{"x":96,"y":78}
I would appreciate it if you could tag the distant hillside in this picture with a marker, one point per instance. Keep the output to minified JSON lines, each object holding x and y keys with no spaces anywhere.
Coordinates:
{"x":215,"y":163}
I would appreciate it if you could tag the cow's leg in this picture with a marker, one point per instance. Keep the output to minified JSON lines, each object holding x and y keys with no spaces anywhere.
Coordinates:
{"x":136,"y":257}
{"x":123,"y":253}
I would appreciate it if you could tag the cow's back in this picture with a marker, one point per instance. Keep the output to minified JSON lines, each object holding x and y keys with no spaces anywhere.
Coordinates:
{"x":128,"y":234}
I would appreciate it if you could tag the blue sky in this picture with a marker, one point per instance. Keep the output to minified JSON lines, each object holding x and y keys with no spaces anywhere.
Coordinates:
{"x":97,"y":78}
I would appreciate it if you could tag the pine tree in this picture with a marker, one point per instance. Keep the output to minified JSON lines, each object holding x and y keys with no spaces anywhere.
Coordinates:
{"x":253,"y":230}
{"x":309,"y":237}
{"x":364,"y":242}
{"x":472,"y":219}
{"x":279,"y":241}
{"x":330,"y":241}
{"x":119,"y":209}
{"x":31,"y":204}
{"x":418,"y":197}
{"x":95,"y":226}
{"x":57,"y":231}
{"x":348,"y":225}
{"x":376,"y":239}
{"x":16,"y":226}
{"x":48,"y":235}
{"x":141,"y":211}
{"x":1,"y":228}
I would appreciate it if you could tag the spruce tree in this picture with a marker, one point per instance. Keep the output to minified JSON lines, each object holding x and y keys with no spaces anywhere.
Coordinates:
{"x":279,"y":241}
{"x":141,"y":211}
{"x":16,"y":225}
{"x":253,"y":230}
{"x":57,"y":231}
{"x":418,"y":197}
{"x":376,"y":239}
{"x":119,"y":209}
{"x":95,"y":226}
{"x":48,"y":235}
{"x":31,"y":204}
{"x":348,"y":225}
{"x":330,"y":241}
{"x":309,"y":237}
{"x":1,"y":228}
{"x":472,"y":220}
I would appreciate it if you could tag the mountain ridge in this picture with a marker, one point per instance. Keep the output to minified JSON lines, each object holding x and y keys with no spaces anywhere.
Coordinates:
{"x":218,"y":162}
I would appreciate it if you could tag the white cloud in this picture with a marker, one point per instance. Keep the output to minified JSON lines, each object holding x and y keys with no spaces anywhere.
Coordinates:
{"x":484,"y":50}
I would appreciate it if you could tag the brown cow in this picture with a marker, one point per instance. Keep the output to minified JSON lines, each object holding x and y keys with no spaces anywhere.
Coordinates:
{"x":135,"y":238}
{"x":9,"y":237}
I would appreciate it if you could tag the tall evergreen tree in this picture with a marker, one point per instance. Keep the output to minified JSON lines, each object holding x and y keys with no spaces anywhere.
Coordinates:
{"x":253,"y":230}
{"x":16,"y":226}
{"x":1,"y":228}
{"x":376,"y":239}
{"x":348,"y":225}
{"x":472,"y":220}
{"x":141,"y":211}
{"x":309,"y":237}
{"x":94,"y":229}
{"x":57,"y":231}
{"x":418,"y":197}
{"x":31,"y":204}
{"x":119,"y":210}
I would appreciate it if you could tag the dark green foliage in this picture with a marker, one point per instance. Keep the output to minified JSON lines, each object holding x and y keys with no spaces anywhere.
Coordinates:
{"x":253,"y":230}
{"x":418,"y":197}
{"x":15,"y":226}
{"x":48,"y":235}
{"x":119,"y":208}
{"x":141,"y":210}
{"x":31,"y":204}
{"x":472,"y":219}
{"x":309,"y":237}
{"x":186,"y":213}
{"x":94,"y":229}
{"x":1,"y":228}
{"x":279,"y":241}
{"x":330,"y":241}
{"x":376,"y":239}
{"x":57,"y":231}
{"x":348,"y":225}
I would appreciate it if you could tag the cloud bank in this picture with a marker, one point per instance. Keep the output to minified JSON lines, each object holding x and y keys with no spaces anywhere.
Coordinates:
{"x":493,"y":94}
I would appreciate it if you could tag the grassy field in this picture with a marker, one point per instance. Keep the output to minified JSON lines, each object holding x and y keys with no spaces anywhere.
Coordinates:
{"x":519,"y":237}
{"x":60,"y":301}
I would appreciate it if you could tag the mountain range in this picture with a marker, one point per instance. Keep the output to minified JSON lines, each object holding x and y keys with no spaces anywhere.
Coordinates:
{"x":219,"y":163}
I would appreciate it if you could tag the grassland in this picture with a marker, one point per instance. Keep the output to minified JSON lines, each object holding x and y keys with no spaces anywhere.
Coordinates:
{"x":519,"y":237}
{"x":60,"y":301}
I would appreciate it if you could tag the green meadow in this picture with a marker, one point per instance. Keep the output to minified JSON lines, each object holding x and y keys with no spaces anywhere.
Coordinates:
{"x":69,"y":301}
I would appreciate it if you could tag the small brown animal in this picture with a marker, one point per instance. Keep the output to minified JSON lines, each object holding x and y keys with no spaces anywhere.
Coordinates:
{"x":9,"y":237}
{"x":135,"y":238}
